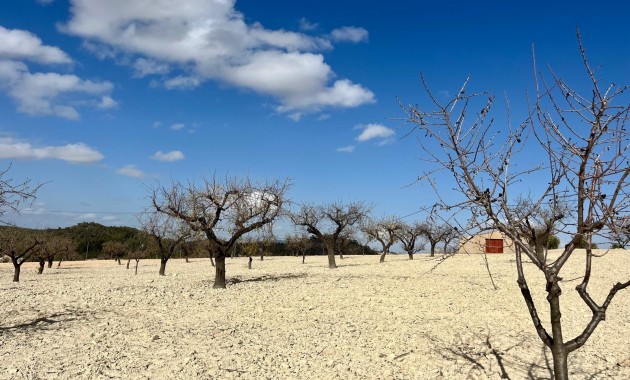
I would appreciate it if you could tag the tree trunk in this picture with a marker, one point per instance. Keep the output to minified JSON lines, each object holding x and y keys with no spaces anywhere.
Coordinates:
{"x":118,"y":260}
{"x":433,"y":249}
{"x":332,"y":264}
{"x":187,"y":259}
{"x":341,"y":255}
{"x":303,"y":258}
{"x":137,"y":262}
{"x":410,"y":255}
{"x":382,"y":259}
{"x":50,"y":262}
{"x":128,"y":261}
{"x":59,"y":263}
{"x":163,"y":267}
{"x":249,"y":264}
{"x":212,"y":261}
{"x":16,"y":273}
{"x":558,"y":349}
{"x":219,"y":274}
{"x":42,"y":263}
{"x":262,"y":255}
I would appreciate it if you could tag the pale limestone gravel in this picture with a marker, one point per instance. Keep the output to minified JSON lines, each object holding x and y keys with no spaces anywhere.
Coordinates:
{"x":420,"y":319}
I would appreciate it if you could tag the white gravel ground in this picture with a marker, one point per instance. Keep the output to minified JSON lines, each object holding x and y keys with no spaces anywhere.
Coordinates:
{"x":420,"y":319}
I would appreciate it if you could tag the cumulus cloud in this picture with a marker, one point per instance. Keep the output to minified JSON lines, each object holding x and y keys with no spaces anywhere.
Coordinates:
{"x":75,"y":153}
{"x":23,"y":45}
{"x":374,"y":131}
{"x":45,"y":93}
{"x":209,"y":40}
{"x":178,"y":126}
{"x":87,"y":216}
{"x":346,"y":149}
{"x":349,"y":34}
{"x":174,"y":155}
{"x":131,"y":171}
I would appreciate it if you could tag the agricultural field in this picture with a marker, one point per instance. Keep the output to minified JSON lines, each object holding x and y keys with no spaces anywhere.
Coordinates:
{"x":423,"y":319}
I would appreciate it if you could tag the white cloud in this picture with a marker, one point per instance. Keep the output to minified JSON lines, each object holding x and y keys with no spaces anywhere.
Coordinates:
{"x":23,"y":45}
{"x":109,"y":218}
{"x":87,"y":216}
{"x":374,"y":131}
{"x":178,"y":126}
{"x":131,"y":171}
{"x":209,"y":40}
{"x":349,"y":34}
{"x":107,"y":102}
{"x":157,"y":124}
{"x":41,"y":93}
{"x":144,"y":67}
{"x":75,"y":153}
{"x":307,"y":26}
{"x":346,"y":149}
{"x":174,"y":155}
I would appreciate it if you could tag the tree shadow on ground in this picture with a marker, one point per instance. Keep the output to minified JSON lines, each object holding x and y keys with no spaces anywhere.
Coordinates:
{"x":486,"y":357}
{"x":44,"y":322}
{"x":238,"y":280}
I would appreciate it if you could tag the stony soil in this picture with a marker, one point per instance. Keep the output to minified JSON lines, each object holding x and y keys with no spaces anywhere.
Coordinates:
{"x":420,"y":319}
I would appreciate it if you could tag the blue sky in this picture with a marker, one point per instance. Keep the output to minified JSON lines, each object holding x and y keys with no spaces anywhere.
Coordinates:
{"x":100,"y":99}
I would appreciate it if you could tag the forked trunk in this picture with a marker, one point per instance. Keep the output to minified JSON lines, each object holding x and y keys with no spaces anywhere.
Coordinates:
{"x":163,"y":267}
{"x":410,"y":255}
{"x":219,"y":273}
{"x":249,"y":264}
{"x":382,"y":259}
{"x":42,"y":263}
{"x":50,"y":262}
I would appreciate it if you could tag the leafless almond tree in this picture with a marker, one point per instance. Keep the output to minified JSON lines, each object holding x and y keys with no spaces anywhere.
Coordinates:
{"x":13,"y":194}
{"x":19,"y":247}
{"x":223,"y":210}
{"x":298,"y":244}
{"x":116,"y":250}
{"x":576,"y":149}
{"x":408,"y":235}
{"x":167,"y":233}
{"x":384,"y":231}
{"x":327,"y":222}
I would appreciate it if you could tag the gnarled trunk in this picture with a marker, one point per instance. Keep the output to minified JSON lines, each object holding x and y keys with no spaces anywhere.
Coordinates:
{"x":410,"y":255}
{"x":330,"y":250}
{"x":219,"y":273}
{"x":163,"y":266}
{"x":16,"y":271}
{"x":433,"y":249}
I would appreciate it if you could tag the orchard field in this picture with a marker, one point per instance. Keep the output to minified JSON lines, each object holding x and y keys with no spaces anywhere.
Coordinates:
{"x":423,"y":319}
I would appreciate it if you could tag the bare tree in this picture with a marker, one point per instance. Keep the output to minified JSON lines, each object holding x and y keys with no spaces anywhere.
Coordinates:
{"x":166,"y":232}
{"x":116,"y":250}
{"x":298,"y":244}
{"x":383,"y":231}
{"x":408,"y":235}
{"x":13,"y":194}
{"x":435,"y":232}
{"x":577,"y":156}
{"x":223,"y":210}
{"x":19,"y":247}
{"x":328,"y":222}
